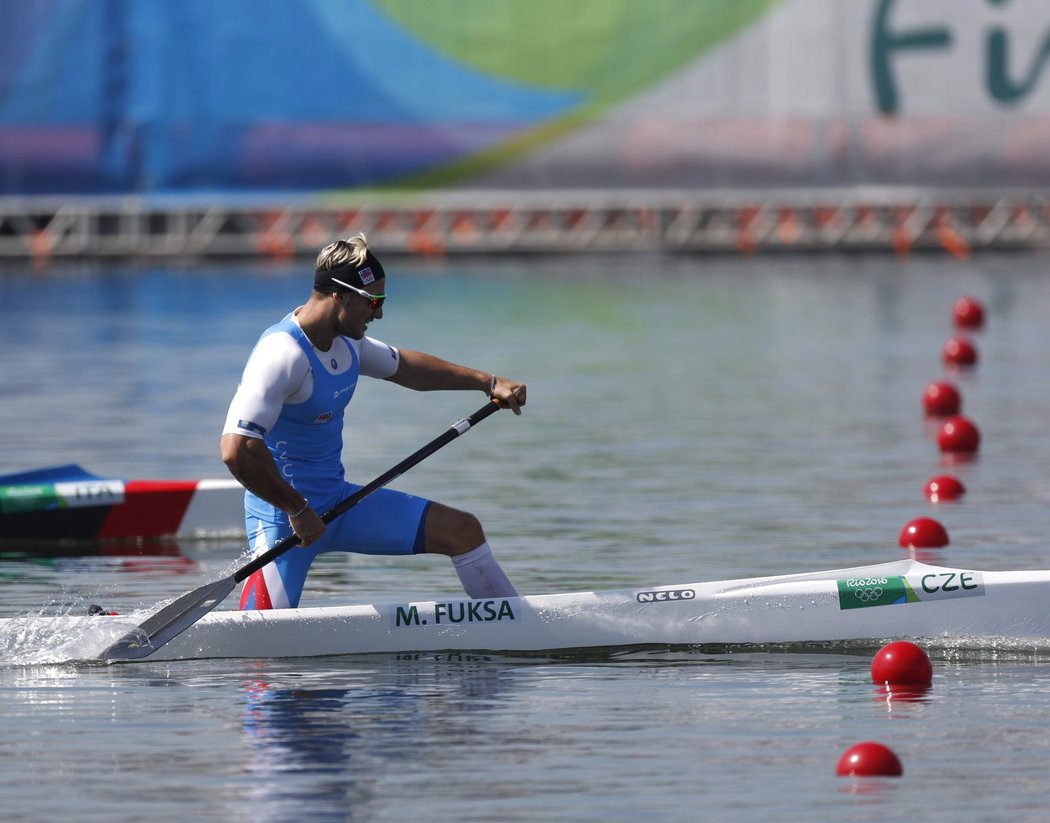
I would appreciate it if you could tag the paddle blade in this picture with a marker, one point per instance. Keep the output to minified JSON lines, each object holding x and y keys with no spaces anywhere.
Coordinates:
{"x":169,"y":622}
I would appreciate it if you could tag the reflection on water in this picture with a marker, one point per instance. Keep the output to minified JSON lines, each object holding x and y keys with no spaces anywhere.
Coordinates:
{"x":13,"y":549}
{"x":326,"y":741}
{"x":650,"y":734}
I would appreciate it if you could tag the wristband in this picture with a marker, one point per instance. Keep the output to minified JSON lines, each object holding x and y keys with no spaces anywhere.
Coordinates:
{"x":492,"y":387}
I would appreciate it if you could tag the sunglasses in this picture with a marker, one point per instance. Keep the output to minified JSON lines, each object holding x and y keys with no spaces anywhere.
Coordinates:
{"x":374,"y":300}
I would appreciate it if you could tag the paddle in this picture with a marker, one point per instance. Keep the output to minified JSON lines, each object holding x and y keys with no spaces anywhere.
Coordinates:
{"x":175,"y":618}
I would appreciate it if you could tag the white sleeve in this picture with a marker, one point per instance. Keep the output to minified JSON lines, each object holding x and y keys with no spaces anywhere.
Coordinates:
{"x":377,"y":358}
{"x":274,"y":373}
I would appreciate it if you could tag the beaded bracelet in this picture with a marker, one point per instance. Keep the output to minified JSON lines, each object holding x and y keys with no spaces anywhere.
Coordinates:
{"x":306,"y":505}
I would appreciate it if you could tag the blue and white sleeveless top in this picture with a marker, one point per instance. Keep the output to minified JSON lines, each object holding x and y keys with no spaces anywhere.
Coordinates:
{"x":307,"y":440}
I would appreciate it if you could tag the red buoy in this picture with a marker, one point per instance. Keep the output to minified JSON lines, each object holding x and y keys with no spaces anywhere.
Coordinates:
{"x":941,"y":399}
{"x":901,"y":663}
{"x":923,"y":533}
{"x":958,"y":434}
{"x":968,"y":313}
{"x":869,"y":759}
{"x":944,"y":488}
{"x":959,"y":351}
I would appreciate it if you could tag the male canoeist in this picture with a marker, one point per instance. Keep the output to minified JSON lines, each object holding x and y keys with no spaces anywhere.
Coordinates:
{"x":283,"y":438}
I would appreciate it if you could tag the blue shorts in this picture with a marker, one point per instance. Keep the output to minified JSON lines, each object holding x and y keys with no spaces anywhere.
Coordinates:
{"x":387,"y":522}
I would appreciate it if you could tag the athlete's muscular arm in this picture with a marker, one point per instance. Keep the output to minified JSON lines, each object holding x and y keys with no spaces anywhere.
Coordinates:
{"x":424,"y":372}
{"x":251,"y":463}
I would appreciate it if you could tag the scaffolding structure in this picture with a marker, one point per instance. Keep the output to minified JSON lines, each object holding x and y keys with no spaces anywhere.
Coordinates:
{"x":46,"y":229}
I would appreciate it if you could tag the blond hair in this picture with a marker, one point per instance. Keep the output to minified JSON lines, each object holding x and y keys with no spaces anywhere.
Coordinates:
{"x":351,"y":251}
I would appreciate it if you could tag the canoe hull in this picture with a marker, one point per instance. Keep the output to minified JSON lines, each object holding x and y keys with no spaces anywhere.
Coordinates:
{"x":897,"y":600}
{"x":941,"y":607}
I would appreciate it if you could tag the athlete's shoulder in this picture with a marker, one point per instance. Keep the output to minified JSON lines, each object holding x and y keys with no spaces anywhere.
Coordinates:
{"x":277,"y":361}
{"x":285,"y":327}
{"x":277,"y":343}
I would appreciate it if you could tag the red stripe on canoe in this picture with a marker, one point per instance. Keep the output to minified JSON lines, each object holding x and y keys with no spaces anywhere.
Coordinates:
{"x":151,"y":508}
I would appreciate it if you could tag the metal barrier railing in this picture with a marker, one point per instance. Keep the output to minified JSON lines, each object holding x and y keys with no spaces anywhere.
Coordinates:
{"x":44,"y":230}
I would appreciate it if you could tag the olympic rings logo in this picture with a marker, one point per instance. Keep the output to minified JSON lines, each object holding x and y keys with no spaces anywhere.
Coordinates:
{"x":869,"y":595}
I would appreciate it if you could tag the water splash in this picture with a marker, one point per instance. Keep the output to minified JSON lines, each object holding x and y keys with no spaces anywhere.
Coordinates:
{"x":48,"y":639}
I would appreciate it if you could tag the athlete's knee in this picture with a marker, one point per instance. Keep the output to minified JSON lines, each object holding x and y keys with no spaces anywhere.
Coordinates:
{"x":451,"y":531}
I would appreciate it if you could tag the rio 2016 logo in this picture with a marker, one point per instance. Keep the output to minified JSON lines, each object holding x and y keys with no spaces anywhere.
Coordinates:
{"x":853,"y":582}
{"x":869,"y":595}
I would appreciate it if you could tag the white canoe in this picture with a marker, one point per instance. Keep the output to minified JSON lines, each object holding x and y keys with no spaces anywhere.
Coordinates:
{"x":947,"y":607}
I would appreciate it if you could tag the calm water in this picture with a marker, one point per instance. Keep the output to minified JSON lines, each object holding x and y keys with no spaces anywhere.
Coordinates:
{"x":688,"y":419}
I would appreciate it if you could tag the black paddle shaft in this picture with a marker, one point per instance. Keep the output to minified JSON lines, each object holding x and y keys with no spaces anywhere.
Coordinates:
{"x":422,"y":454}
